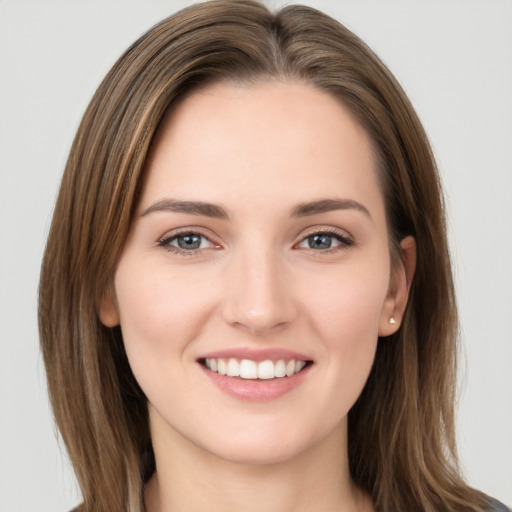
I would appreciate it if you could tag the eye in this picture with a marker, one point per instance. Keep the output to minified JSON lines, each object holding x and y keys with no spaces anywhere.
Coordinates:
{"x":326,"y":241}
{"x":186,"y":243}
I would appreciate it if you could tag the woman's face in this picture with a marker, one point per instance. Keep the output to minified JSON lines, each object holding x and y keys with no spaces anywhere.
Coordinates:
{"x":259,"y":246}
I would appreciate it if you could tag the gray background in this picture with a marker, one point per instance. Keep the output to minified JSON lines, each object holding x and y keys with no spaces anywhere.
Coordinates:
{"x":454,"y":59}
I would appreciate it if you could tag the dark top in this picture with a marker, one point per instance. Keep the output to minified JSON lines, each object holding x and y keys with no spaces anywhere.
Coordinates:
{"x":497,"y":506}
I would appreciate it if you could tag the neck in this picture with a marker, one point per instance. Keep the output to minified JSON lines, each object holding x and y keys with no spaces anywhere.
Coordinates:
{"x":189,"y":479}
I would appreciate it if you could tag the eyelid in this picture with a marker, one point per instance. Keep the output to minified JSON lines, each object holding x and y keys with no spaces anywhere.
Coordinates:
{"x":328,"y":230}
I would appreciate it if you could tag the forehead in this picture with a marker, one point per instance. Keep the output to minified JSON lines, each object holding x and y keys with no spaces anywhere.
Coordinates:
{"x":264,"y":143}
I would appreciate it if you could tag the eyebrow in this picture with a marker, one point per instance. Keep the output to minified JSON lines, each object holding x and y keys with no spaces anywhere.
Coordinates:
{"x":327,"y":205}
{"x":192,"y":207}
{"x":217,"y":212}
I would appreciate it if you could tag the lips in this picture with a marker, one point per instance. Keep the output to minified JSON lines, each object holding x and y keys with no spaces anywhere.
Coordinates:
{"x":255,"y":374}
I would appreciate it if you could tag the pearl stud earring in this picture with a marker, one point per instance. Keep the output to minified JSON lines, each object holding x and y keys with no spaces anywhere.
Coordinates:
{"x":392,"y":320}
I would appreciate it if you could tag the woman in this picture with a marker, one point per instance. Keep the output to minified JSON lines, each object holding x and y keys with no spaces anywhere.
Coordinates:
{"x":246,"y":289}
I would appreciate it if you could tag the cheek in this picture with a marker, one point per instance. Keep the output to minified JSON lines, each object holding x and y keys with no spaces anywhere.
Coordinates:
{"x":346,"y":317}
{"x":159,"y":313}
{"x":349,"y":302}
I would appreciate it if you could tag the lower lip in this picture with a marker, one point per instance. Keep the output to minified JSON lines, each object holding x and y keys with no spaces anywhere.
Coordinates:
{"x":255,"y":389}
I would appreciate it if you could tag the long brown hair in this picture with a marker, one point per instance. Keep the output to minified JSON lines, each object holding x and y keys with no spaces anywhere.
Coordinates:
{"x":401,"y":430}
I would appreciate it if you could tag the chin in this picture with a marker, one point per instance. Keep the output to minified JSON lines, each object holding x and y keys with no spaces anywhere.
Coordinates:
{"x":266,"y":446}
{"x":253,"y":454}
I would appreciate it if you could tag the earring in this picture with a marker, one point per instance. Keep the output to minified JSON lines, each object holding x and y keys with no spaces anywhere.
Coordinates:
{"x":392,"y":320}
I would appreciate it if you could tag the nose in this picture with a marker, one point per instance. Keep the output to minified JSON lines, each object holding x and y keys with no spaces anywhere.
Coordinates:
{"x":259,"y":297}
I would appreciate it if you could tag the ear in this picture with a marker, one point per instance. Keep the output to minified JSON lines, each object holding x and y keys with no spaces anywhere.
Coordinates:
{"x":108,"y":313}
{"x":399,"y":286}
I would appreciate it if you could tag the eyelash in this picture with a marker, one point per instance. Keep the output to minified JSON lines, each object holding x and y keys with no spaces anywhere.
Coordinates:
{"x":344,"y":240}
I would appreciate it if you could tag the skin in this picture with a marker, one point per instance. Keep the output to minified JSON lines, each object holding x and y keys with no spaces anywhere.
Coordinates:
{"x":256,"y":150}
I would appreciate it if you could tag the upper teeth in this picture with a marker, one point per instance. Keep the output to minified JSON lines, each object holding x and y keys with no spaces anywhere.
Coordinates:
{"x":247,"y":369}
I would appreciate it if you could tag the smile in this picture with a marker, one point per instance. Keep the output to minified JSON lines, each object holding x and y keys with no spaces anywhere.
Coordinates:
{"x":249,"y":369}
{"x":256,"y":375}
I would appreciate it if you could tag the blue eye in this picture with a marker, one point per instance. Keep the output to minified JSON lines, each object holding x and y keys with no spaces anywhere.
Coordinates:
{"x":190,"y":243}
{"x":320,"y":241}
{"x":326,"y":240}
{"x":187,"y":243}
